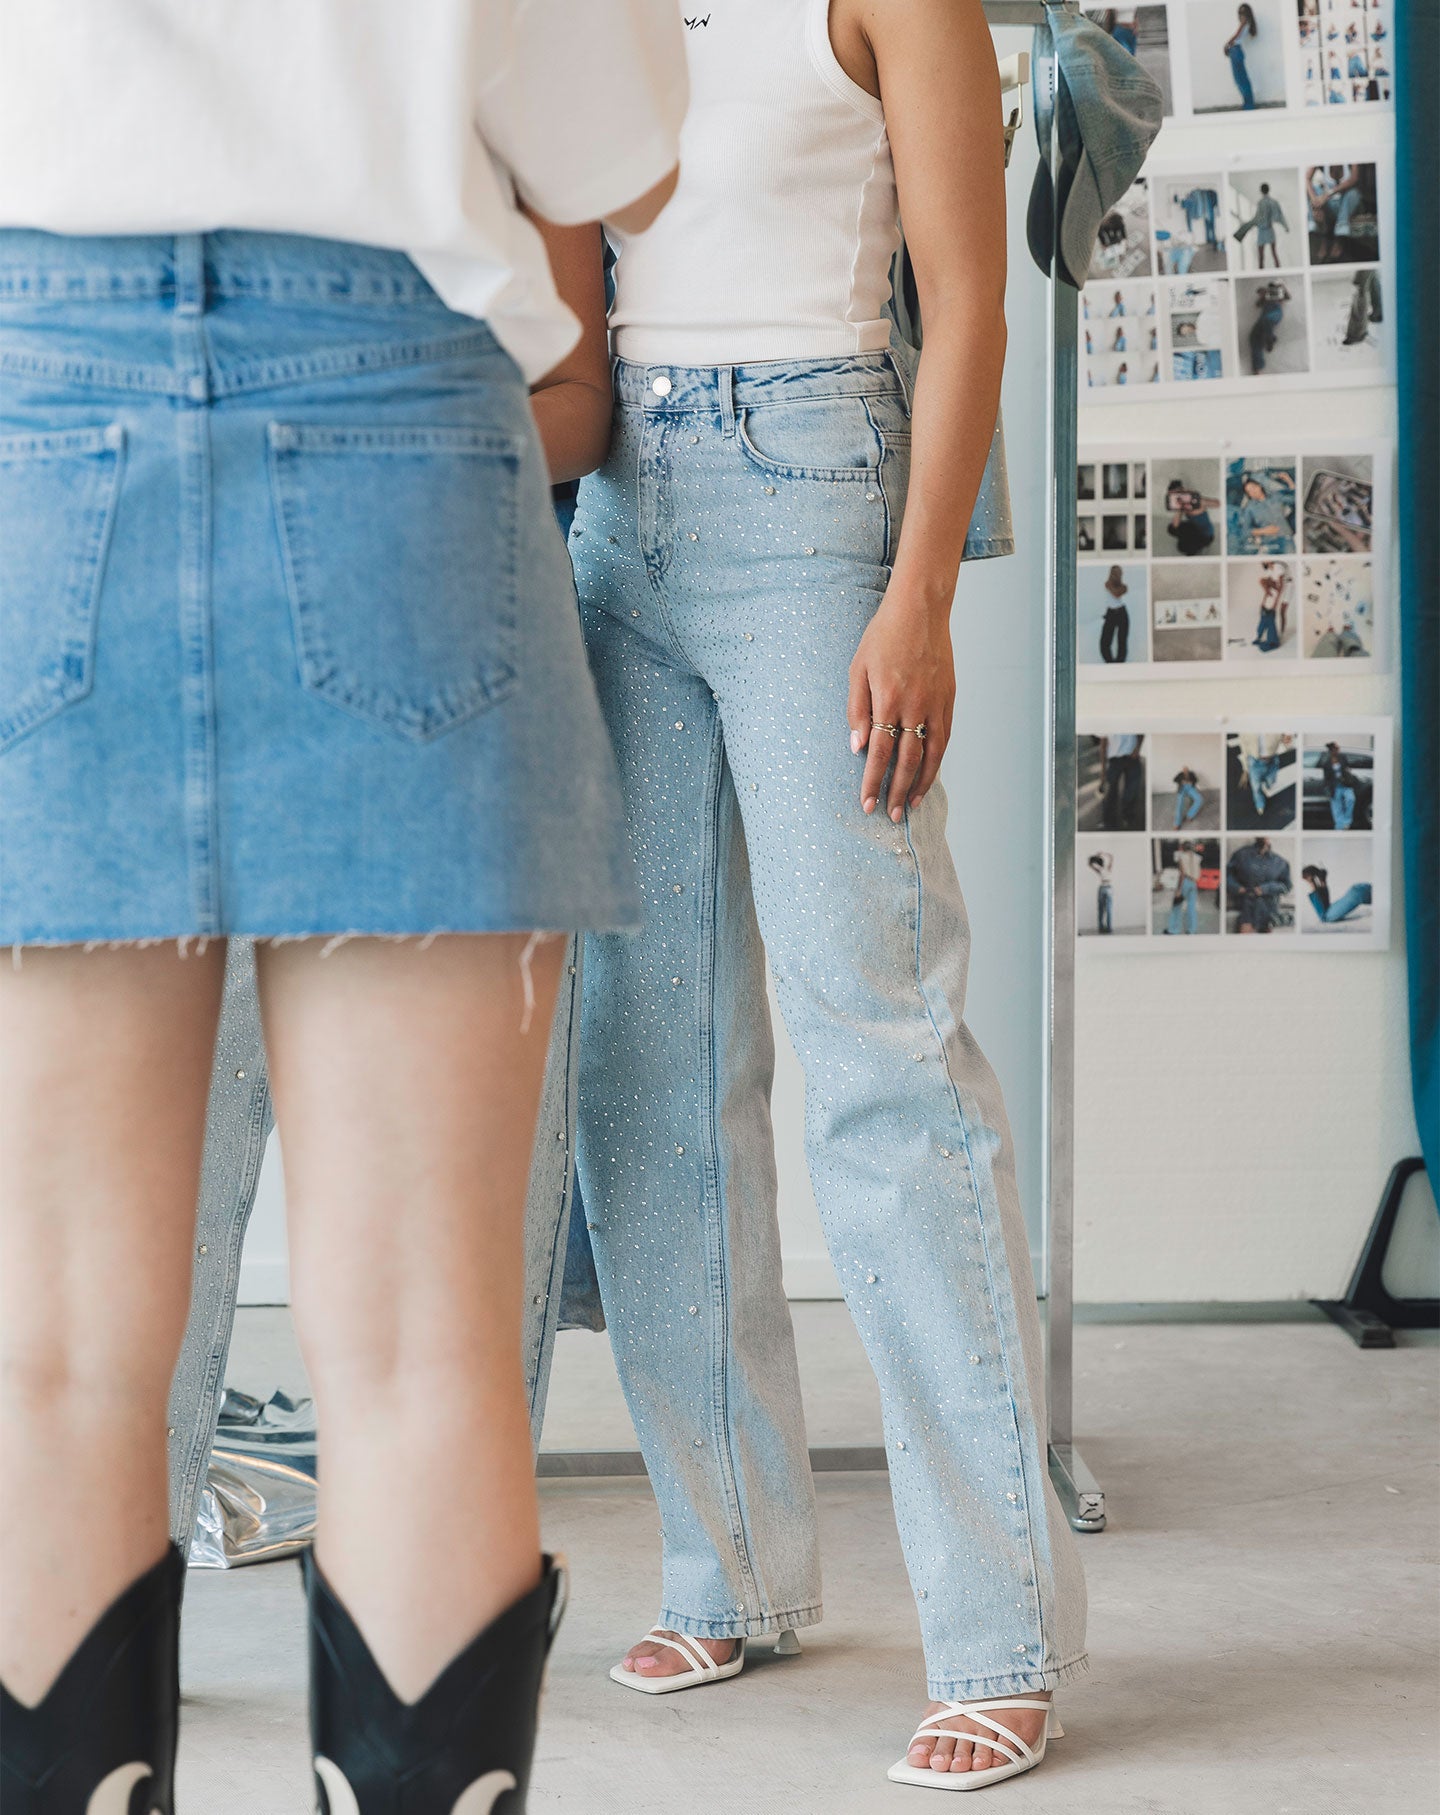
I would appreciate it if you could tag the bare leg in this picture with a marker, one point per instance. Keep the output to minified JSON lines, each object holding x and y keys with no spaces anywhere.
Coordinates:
{"x":406,"y":1095}
{"x":104,"y":1066}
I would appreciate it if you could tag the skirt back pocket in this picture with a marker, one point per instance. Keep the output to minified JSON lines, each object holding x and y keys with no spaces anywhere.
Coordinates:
{"x":401,"y":549}
{"x":57,"y":504}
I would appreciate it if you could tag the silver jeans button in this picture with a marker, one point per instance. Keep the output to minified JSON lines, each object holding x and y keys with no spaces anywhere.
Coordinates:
{"x":660,"y":386}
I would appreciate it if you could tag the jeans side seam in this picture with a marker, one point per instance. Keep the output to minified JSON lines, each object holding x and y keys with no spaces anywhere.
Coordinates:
{"x":538,"y":1381}
{"x":717,"y":1221}
{"x":985,"y":1242}
{"x":257,"y":1127}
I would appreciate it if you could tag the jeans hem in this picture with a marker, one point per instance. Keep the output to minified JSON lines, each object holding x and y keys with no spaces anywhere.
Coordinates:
{"x":1016,"y":1682}
{"x":788,"y":1619}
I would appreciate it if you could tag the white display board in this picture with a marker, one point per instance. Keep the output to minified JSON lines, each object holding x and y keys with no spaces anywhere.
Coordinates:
{"x":1245,"y":559}
{"x":1294,"y":56}
{"x":1245,"y":271}
{"x":1262,"y":833}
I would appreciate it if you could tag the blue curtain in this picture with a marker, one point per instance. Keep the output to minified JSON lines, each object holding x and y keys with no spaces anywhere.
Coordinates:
{"x":1417,"y":142}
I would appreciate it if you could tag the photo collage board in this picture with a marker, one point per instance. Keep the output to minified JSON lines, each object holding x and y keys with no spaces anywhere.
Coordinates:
{"x":1241,"y":274}
{"x":1200,"y":558}
{"x":1198,"y":832}
{"x":1216,"y":59}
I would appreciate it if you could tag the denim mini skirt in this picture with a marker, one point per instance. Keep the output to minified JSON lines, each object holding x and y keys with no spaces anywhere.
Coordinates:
{"x":288,"y":635}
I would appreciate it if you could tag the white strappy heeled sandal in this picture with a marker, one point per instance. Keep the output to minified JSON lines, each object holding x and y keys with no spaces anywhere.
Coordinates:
{"x":703,"y":1668}
{"x":999,"y":1739}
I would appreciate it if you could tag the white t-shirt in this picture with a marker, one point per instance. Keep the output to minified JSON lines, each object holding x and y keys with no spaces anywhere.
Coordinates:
{"x":409,"y":124}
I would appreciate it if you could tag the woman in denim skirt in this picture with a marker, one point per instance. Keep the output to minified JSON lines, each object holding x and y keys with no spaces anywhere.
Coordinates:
{"x":288,"y":649}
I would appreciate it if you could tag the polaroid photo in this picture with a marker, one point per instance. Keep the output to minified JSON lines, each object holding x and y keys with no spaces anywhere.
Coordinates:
{"x":1338,"y":787}
{"x":1113,"y":613}
{"x":1338,"y":608}
{"x":1262,"y":617}
{"x":1260,"y":506}
{"x":1342,"y":202}
{"x":1259,"y":885}
{"x":1272,"y":326}
{"x":1238,"y":55}
{"x":1197,"y":322}
{"x":1260,"y":771}
{"x":1145,"y":32}
{"x":1337,"y":504}
{"x":1111,"y":782}
{"x":1112,"y":887}
{"x":1189,"y":224}
{"x":1266,"y":221}
{"x":1186,"y":507}
{"x":1187,"y":607}
{"x":1344,"y":52}
{"x":1119,"y":336}
{"x":1185,"y":878}
{"x":1348,"y":318}
{"x":1123,"y":246}
{"x":1187,"y":782}
{"x":1337,"y":884}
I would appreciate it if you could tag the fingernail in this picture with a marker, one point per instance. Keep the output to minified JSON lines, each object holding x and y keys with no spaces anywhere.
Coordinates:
{"x":869,"y":803}
{"x":854,"y":743}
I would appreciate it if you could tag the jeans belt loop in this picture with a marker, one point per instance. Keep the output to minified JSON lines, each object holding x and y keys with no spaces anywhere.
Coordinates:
{"x":726,"y":377}
{"x":899,"y":371}
{"x":189,"y":274}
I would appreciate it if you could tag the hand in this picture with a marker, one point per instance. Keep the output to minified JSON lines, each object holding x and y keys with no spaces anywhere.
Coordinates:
{"x":903,"y":674}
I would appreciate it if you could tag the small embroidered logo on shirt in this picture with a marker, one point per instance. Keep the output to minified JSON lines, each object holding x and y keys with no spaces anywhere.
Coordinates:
{"x":696,"y":23}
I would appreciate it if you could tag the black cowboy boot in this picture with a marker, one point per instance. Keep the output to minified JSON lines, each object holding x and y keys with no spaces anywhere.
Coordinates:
{"x":102,"y":1742}
{"x":463,"y":1749}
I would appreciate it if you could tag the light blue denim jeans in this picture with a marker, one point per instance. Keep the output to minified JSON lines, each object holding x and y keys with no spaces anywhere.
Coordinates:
{"x":1189,"y":802}
{"x":1185,"y":908}
{"x":728,"y":557}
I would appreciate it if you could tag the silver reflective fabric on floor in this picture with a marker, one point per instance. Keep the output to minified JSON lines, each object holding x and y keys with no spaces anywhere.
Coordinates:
{"x":258,"y":1501}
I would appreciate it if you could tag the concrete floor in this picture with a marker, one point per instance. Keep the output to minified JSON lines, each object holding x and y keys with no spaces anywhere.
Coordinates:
{"x":1263,"y":1605}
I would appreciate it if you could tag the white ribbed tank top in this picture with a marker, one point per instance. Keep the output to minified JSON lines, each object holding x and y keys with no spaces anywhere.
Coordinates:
{"x":778,"y":241}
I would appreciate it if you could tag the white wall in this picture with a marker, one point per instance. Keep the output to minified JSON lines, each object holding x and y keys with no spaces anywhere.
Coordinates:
{"x":1236,"y":1116}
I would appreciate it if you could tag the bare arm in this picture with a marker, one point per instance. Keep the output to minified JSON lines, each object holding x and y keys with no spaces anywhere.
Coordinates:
{"x":572,"y":402}
{"x":934,"y":64}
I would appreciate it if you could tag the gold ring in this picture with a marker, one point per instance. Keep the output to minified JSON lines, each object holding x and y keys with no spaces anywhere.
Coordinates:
{"x":916,"y":731}
{"x":894,"y":730}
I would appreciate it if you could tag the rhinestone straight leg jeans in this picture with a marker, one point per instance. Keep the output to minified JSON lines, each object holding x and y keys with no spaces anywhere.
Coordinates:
{"x":728,"y":557}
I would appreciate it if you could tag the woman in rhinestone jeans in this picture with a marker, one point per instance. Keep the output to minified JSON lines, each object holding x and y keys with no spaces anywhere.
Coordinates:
{"x":766,"y":565}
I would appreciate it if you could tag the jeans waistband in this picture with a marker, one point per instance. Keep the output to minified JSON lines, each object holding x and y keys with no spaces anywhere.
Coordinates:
{"x":716,"y":389}
{"x":197,"y":269}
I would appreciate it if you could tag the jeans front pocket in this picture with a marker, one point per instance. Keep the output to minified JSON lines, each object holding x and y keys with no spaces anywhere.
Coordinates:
{"x":57,"y":504}
{"x":825,"y":438}
{"x":401,"y":548}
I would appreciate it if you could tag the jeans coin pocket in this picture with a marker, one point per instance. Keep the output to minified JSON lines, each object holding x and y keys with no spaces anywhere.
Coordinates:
{"x":401,"y":551}
{"x":57,"y":503}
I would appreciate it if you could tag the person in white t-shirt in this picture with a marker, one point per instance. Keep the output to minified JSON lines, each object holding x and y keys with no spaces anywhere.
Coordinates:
{"x":285,"y":618}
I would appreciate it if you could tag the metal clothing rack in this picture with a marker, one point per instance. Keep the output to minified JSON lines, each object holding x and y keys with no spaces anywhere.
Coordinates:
{"x":1080,"y":1495}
